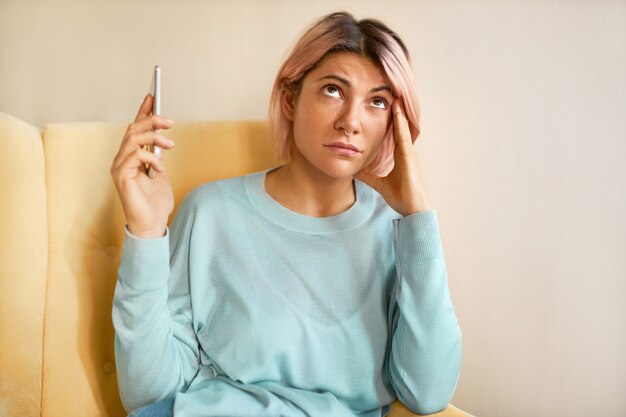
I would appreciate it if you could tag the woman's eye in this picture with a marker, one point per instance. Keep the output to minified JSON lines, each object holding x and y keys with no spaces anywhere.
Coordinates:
{"x":379,"y":103}
{"x":332,"y":91}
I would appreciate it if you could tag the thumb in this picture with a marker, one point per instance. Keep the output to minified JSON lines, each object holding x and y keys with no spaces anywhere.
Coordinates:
{"x":368,"y":178}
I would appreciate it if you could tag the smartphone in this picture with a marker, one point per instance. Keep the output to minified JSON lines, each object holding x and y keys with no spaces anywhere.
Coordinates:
{"x":155,"y":89}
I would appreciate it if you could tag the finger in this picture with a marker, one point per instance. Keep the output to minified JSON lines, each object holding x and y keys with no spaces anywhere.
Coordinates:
{"x":141,"y":140}
{"x":149,"y":124}
{"x":145,"y":109}
{"x":401,"y":131}
{"x":137,"y":161}
{"x":153,"y":122}
{"x":132,"y":141}
{"x":150,"y":138}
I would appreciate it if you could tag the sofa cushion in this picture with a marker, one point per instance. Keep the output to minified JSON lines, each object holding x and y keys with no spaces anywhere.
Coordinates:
{"x":23,"y":259}
{"x":85,"y":237}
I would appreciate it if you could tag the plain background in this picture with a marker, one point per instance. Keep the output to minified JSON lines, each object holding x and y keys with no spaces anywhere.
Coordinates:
{"x":522,"y":146}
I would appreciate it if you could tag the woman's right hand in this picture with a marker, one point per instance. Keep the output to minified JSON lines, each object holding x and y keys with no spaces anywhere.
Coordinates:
{"x":147,"y":202}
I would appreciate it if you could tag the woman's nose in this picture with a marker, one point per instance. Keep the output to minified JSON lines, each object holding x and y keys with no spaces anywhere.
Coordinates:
{"x":349,"y":119}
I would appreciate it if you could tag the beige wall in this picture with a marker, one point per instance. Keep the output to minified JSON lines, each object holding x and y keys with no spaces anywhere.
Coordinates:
{"x":523,"y":150}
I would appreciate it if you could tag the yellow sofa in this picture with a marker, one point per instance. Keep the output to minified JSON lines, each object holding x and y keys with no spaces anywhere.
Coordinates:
{"x":61,"y":231}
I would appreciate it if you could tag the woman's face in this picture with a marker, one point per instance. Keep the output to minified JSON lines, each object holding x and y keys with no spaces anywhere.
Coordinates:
{"x":345,"y":92}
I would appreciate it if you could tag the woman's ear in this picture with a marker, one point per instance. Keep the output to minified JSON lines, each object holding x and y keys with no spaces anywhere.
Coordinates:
{"x":288,"y":103}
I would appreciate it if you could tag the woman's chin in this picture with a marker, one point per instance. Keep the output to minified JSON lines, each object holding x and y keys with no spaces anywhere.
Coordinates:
{"x":333,"y":166}
{"x":339,"y":169}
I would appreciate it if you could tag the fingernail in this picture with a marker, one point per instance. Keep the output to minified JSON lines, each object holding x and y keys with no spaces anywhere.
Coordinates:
{"x":169,"y":121}
{"x":151,"y":172}
{"x":170,"y":142}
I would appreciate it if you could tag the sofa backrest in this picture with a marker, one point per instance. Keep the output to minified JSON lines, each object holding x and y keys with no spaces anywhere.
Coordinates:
{"x":85,"y":234}
{"x":23,"y":261}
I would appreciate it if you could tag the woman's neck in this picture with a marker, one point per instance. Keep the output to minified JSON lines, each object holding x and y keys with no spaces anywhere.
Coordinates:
{"x":306,"y":190}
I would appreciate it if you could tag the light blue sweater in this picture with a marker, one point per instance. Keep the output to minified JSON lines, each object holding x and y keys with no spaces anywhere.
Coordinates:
{"x":246,"y":308}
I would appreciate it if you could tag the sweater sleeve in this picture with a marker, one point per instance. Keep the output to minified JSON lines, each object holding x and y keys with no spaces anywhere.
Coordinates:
{"x":425,"y":354}
{"x":156,"y":348}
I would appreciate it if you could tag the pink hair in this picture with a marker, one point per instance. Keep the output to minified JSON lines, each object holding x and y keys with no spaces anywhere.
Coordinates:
{"x":341,"y":32}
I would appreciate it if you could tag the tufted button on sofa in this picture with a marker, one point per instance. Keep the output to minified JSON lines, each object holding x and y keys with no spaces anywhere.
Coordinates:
{"x":61,"y":232}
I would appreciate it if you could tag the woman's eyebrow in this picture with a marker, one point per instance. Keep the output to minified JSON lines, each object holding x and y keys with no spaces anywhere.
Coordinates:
{"x":345,"y":82}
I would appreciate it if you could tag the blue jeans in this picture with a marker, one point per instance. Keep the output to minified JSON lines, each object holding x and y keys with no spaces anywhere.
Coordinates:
{"x":163,"y":408}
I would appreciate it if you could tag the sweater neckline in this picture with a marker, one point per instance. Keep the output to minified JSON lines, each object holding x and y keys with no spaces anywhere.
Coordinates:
{"x":284,"y":217}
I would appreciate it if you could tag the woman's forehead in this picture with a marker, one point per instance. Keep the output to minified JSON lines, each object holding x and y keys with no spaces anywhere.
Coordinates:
{"x":356,"y":69}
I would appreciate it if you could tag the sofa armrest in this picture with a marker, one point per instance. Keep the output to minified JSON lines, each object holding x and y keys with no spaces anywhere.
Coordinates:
{"x":23,"y":262}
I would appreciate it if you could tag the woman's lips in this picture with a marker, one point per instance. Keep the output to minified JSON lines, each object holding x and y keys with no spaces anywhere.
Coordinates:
{"x":342,"y":148}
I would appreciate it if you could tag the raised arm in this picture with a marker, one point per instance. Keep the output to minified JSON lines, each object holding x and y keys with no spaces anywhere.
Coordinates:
{"x":425,"y":355}
{"x":155,"y":345}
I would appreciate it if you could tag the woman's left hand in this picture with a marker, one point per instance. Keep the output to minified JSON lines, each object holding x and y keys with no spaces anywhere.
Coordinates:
{"x":403,"y":188}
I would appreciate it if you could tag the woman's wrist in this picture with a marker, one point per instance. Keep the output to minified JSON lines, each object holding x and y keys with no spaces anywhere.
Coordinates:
{"x":147,"y":233}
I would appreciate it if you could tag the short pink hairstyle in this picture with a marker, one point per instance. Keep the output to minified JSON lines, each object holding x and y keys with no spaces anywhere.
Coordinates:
{"x":336,"y":33}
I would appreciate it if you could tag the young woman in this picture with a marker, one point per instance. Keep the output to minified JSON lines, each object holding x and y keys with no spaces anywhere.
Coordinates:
{"x":317,"y":288}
